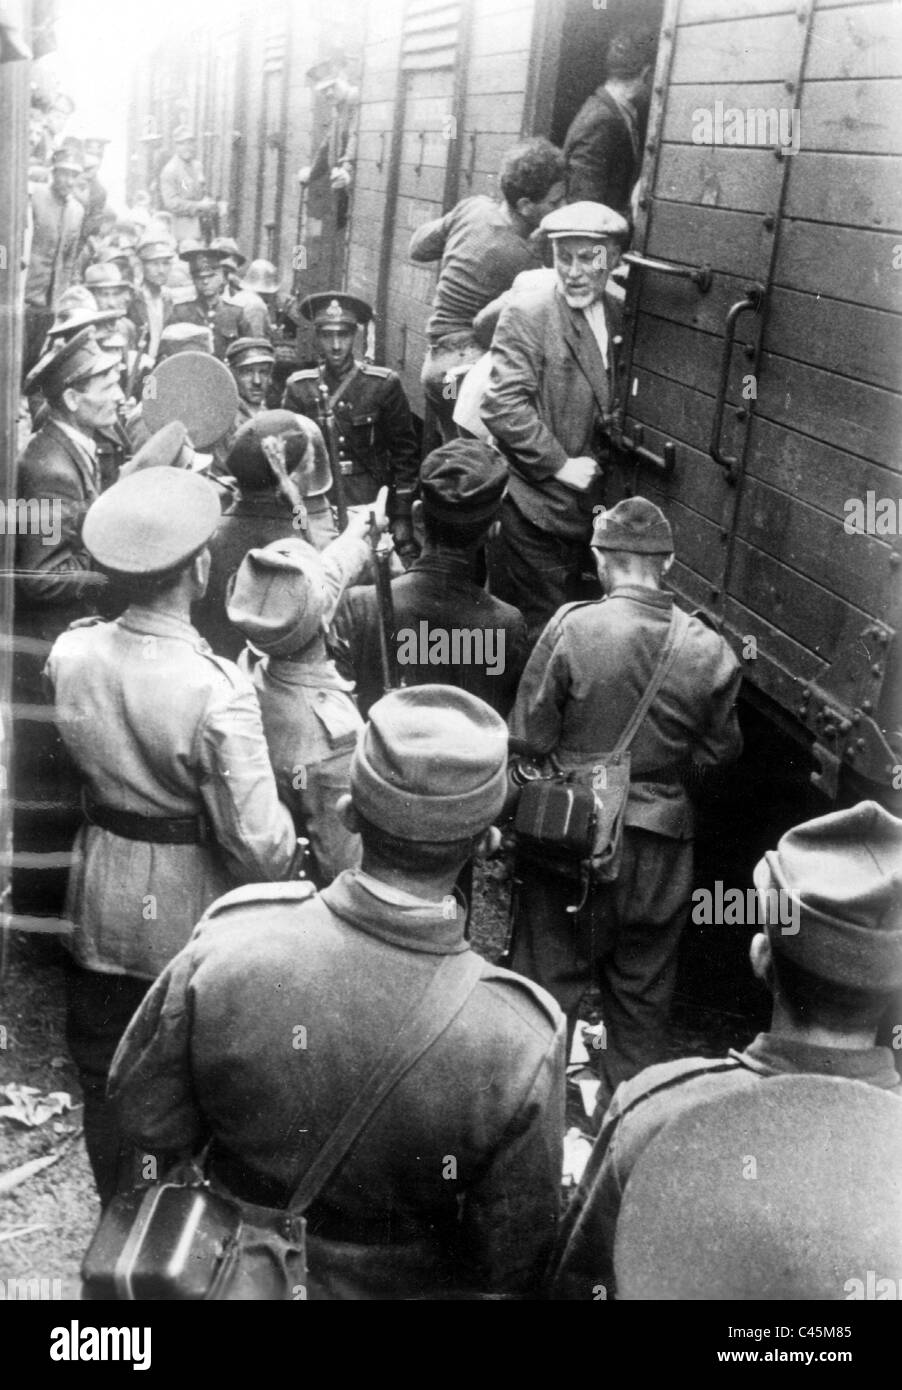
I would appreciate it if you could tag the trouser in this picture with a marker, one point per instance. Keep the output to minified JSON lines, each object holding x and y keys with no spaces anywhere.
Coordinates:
{"x":453,"y":350}
{"x":100,"y":1008}
{"x":624,"y":940}
{"x":536,"y":571}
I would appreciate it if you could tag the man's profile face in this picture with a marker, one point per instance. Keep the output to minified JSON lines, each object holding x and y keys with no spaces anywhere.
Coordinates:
{"x":253,"y":381}
{"x":156,"y":271}
{"x":96,"y":401}
{"x":336,"y":346}
{"x":583,"y":264}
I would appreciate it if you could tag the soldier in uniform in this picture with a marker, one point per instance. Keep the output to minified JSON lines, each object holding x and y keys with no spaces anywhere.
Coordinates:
{"x":252,"y":305}
{"x":831,"y":972}
{"x":585,"y":677}
{"x":336,"y":154}
{"x":183,"y":190}
{"x":281,"y":603}
{"x":209,"y":307}
{"x":453,"y":1185}
{"x":251,"y":360}
{"x":55,"y":583}
{"x":376,"y":437}
{"x":57,"y":218}
{"x":462,"y":484}
{"x":180,"y":804}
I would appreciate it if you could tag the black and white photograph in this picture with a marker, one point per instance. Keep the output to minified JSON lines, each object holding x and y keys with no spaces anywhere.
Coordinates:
{"x":450,"y":660}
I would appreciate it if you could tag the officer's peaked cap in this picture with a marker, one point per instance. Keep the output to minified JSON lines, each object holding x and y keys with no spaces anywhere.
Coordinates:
{"x":71,"y":362}
{"x":336,"y":310}
{"x":151,"y":523}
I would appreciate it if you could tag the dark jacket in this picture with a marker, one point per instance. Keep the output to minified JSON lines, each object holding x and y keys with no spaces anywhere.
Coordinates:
{"x":437,"y":589}
{"x":375,"y":432}
{"x":602,"y":154}
{"x":454,"y":1183}
{"x":640,"y":1109}
{"x":548,"y":399}
{"x":228,"y":321}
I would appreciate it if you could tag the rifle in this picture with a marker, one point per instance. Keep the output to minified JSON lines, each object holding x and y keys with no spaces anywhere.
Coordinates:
{"x":381,"y":553}
{"x":327,"y":425}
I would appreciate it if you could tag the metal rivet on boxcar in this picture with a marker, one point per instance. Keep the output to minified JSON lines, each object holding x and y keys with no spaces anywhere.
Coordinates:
{"x":866,"y":706}
{"x":769,"y":222}
{"x":876,"y":670}
{"x":845,"y":725}
{"x":741,"y":413}
{"x":894,"y":558}
{"x":860,"y":744}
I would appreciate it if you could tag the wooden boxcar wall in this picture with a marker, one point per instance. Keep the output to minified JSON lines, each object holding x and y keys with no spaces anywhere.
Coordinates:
{"x":443,"y":95}
{"x":766,"y":549}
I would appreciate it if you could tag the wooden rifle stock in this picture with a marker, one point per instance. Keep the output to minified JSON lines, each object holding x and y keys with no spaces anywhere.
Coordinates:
{"x":382,"y":576}
{"x":327,"y":425}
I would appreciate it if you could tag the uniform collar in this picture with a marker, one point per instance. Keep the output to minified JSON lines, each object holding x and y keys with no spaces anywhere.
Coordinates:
{"x":655,"y":598}
{"x":148,"y":621}
{"x":319,"y":674}
{"x":396,"y":917}
{"x":770,"y":1053}
{"x":443,"y":562}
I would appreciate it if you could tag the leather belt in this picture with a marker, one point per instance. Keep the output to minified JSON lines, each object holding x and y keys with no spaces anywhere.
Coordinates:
{"x":674,"y":773}
{"x":153,"y":830}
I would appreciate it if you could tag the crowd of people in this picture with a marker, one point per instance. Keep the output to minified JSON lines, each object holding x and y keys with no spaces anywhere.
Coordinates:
{"x":267,"y":768}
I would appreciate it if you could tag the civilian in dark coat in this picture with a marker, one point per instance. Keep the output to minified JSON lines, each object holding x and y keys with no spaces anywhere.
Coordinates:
{"x":603,"y":148}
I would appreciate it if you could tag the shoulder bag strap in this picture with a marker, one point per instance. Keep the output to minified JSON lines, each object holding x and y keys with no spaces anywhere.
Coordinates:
{"x":447,"y":992}
{"x":679,"y":626}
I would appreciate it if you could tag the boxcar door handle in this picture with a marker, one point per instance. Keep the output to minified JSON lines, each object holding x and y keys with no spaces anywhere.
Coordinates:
{"x":751,"y":304}
{"x":699,"y":274}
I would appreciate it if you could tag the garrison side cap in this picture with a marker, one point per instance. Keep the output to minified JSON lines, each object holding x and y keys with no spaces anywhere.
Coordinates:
{"x":152,"y":522}
{"x":335,"y":309}
{"x":197,"y":389}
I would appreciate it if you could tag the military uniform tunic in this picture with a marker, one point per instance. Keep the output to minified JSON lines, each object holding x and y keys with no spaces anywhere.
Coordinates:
{"x":226,"y":320}
{"x":375,"y":431}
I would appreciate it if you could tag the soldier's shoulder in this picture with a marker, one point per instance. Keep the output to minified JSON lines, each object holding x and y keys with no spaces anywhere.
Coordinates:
{"x":259,"y":895}
{"x":378,"y":373}
{"x":671,"y":1077}
{"x":224,"y":675}
{"x":532,"y":1004}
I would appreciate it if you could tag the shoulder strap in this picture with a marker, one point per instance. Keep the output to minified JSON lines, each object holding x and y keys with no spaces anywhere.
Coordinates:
{"x":447,"y":992}
{"x":679,"y":626}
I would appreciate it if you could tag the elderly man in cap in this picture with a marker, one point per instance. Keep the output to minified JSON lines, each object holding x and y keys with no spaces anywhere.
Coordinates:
{"x":209,"y":307}
{"x":180,"y":801}
{"x":592,"y":667}
{"x":452,"y":1186}
{"x":281,"y":468}
{"x":831,"y":965}
{"x":251,"y":362}
{"x":549,"y":399}
{"x":280,"y":602}
{"x":183,"y":190}
{"x":58,"y":477}
{"x":57,"y":219}
{"x":447,"y":628}
{"x":152,"y":305}
{"x":376,"y":439}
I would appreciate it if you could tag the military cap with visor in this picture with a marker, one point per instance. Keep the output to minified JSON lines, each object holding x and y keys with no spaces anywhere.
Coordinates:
{"x":334,"y":310}
{"x":70,"y":363}
{"x":247,"y":352}
{"x":151,"y":523}
{"x":200,"y":257}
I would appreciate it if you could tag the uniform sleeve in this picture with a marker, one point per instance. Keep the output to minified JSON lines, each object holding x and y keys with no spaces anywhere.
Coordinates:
{"x":721,"y":739}
{"x":511,"y":1213}
{"x":510,"y":407}
{"x":150,"y":1079}
{"x":401,"y":442}
{"x":428,"y":241}
{"x":583,"y":1261}
{"x":58,"y":572}
{"x":251,"y":826}
{"x":344,"y":562}
{"x":537,"y":713}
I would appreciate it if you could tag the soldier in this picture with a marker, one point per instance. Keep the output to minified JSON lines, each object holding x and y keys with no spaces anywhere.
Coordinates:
{"x":180,"y":799}
{"x":236,"y":292}
{"x":336,"y":154}
{"x":462,"y":485}
{"x":152,"y":306}
{"x":209,"y":307}
{"x":589,"y":671}
{"x":279,"y":463}
{"x":251,"y":360}
{"x":549,"y":399}
{"x":376,"y":438}
{"x":57,"y":219}
{"x":183,"y":190}
{"x":58,"y":479}
{"x":831,"y":967}
{"x":280,"y":602}
{"x":453,"y":1184}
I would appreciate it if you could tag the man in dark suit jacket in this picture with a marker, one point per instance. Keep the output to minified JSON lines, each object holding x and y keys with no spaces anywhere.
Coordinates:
{"x":550,"y":396}
{"x":603,"y":148}
{"x":55,"y":583}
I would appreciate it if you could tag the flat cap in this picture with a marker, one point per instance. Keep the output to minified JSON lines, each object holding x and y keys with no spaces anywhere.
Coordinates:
{"x":244,"y":352}
{"x":68,"y":156}
{"x":155,"y":245}
{"x":185,"y":337}
{"x":844,"y":870}
{"x":161,"y":450}
{"x":431,"y":764}
{"x":584,"y":219}
{"x":72,"y":361}
{"x":462,"y":482}
{"x":335,"y":310}
{"x":279,"y":597}
{"x":277,"y":439}
{"x":261,"y":277}
{"x":152,"y":522}
{"x":106,"y":276}
{"x":784,"y":1190}
{"x":635,"y":524}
